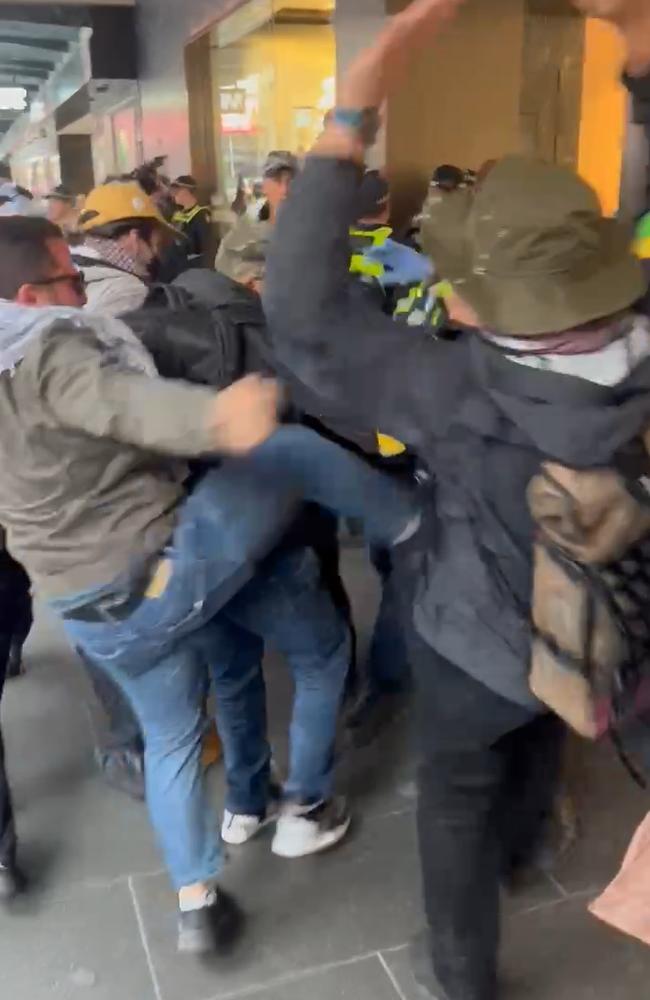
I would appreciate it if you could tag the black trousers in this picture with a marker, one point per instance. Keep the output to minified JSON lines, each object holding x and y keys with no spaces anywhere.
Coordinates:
{"x":15,"y":623}
{"x":487,"y":783}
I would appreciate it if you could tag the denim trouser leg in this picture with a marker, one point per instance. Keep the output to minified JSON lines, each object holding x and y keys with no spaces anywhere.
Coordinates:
{"x":319,"y":677}
{"x":234,"y":659}
{"x":117,"y":728}
{"x":324,"y":473}
{"x":230,"y":520}
{"x":289,"y":607}
{"x":168,"y":701}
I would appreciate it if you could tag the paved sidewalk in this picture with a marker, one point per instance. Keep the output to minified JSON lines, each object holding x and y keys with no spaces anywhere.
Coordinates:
{"x":100,"y":926}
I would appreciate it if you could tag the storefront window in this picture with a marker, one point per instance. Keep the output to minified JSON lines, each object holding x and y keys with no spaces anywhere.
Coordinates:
{"x":124,"y":137}
{"x":274,"y":68}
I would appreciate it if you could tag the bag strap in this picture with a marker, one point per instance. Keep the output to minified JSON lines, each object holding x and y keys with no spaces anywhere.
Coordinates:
{"x":173,"y":296}
{"x":81,"y":261}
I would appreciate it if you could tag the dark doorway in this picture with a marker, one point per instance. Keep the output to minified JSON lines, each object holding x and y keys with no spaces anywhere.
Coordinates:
{"x":77,"y":173}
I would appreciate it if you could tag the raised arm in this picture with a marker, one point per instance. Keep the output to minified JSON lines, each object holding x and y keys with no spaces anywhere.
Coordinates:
{"x":329,"y":336}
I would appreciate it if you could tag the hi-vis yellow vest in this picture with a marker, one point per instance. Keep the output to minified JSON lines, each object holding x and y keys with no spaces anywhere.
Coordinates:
{"x":642,"y":238}
{"x":184,"y":216}
{"x":363,"y":240}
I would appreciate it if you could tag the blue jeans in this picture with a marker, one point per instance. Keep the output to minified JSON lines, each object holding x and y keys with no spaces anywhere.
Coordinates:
{"x":286,"y":607}
{"x":158,"y":651}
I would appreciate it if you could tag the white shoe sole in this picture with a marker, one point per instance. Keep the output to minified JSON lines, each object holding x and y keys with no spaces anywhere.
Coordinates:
{"x":296,"y":843}
{"x":239,"y":841}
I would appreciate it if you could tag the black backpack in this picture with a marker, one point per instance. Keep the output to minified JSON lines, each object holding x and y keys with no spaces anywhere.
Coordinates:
{"x":192,"y":342}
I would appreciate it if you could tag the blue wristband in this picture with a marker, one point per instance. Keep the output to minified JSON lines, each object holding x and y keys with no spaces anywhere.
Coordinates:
{"x":364,"y":122}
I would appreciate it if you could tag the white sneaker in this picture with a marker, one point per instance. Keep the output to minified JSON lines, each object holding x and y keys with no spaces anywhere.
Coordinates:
{"x":237,"y":829}
{"x":304,"y":830}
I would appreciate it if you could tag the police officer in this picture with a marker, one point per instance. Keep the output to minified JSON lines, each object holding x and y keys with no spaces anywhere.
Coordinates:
{"x":193,"y":220}
{"x":377,"y":258}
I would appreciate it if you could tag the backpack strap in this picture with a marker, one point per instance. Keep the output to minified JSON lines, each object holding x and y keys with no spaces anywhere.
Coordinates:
{"x":81,"y":262}
{"x":168,"y":296}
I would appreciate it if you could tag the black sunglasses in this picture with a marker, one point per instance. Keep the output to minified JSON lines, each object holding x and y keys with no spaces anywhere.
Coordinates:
{"x":77,"y":281}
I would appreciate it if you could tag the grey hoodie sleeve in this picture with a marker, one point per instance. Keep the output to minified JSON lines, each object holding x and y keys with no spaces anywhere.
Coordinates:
{"x":336,"y":342}
{"x":83,"y":392}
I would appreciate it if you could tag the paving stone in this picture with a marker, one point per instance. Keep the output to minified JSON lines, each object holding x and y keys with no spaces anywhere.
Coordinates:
{"x":610,"y":806}
{"x":71,"y":826}
{"x":364,"y":980}
{"x":561,"y":952}
{"x":302,"y":914}
{"x":84,"y":945}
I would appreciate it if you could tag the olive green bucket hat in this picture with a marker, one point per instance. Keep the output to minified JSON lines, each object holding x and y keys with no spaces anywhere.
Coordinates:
{"x":530,"y":250}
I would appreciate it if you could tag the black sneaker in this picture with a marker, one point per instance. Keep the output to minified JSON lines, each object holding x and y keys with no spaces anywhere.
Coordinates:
{"x":304,"y":830}
{"x":12,"y":882}
{"x":124,"y":771}
{"x":210,"y":929}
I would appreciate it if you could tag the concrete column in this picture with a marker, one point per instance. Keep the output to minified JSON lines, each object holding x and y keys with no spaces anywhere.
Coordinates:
{"x":634,"y":179}
{"x":356,"y":22}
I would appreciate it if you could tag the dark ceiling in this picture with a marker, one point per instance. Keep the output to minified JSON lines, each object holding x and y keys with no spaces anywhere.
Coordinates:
{"x":29,"y":52}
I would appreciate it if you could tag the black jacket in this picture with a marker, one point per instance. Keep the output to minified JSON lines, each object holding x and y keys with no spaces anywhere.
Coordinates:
{"x":232,"y":305}
{"x":481,"y":423}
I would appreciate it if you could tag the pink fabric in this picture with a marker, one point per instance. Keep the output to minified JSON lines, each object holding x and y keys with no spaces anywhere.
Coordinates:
{"x":587,"y":342}
{"x":625,"y":905}
{"x":583,"y":340}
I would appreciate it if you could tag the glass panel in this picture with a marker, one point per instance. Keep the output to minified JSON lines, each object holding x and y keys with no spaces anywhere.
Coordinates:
{"x":273,"y":85}
{"x":124,"y":136}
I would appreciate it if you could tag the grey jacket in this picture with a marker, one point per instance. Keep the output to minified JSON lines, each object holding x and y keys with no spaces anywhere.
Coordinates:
{"x":481,"y":422}
{"x":91,"y":476}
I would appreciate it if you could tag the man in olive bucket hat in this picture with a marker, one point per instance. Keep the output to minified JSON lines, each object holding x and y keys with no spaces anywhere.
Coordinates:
{"x":551,"y":362}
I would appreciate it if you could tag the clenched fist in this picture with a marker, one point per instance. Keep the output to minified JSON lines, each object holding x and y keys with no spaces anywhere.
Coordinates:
{"x":245,"y":414}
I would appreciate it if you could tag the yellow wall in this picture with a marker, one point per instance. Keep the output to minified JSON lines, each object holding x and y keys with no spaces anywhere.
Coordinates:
{"x":603,"y":118}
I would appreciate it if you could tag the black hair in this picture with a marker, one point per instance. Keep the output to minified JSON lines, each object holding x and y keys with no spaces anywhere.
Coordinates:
{"x":280,"y":174}
{"x":114,"y":230}
{"x":448,"y":176}
{"x":25,"y":256}
{"x":5,"y":171}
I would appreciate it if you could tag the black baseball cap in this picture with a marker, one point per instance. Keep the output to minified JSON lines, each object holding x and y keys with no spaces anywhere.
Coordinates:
{"x":185,"y":181}
{"x":61,"y":193}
